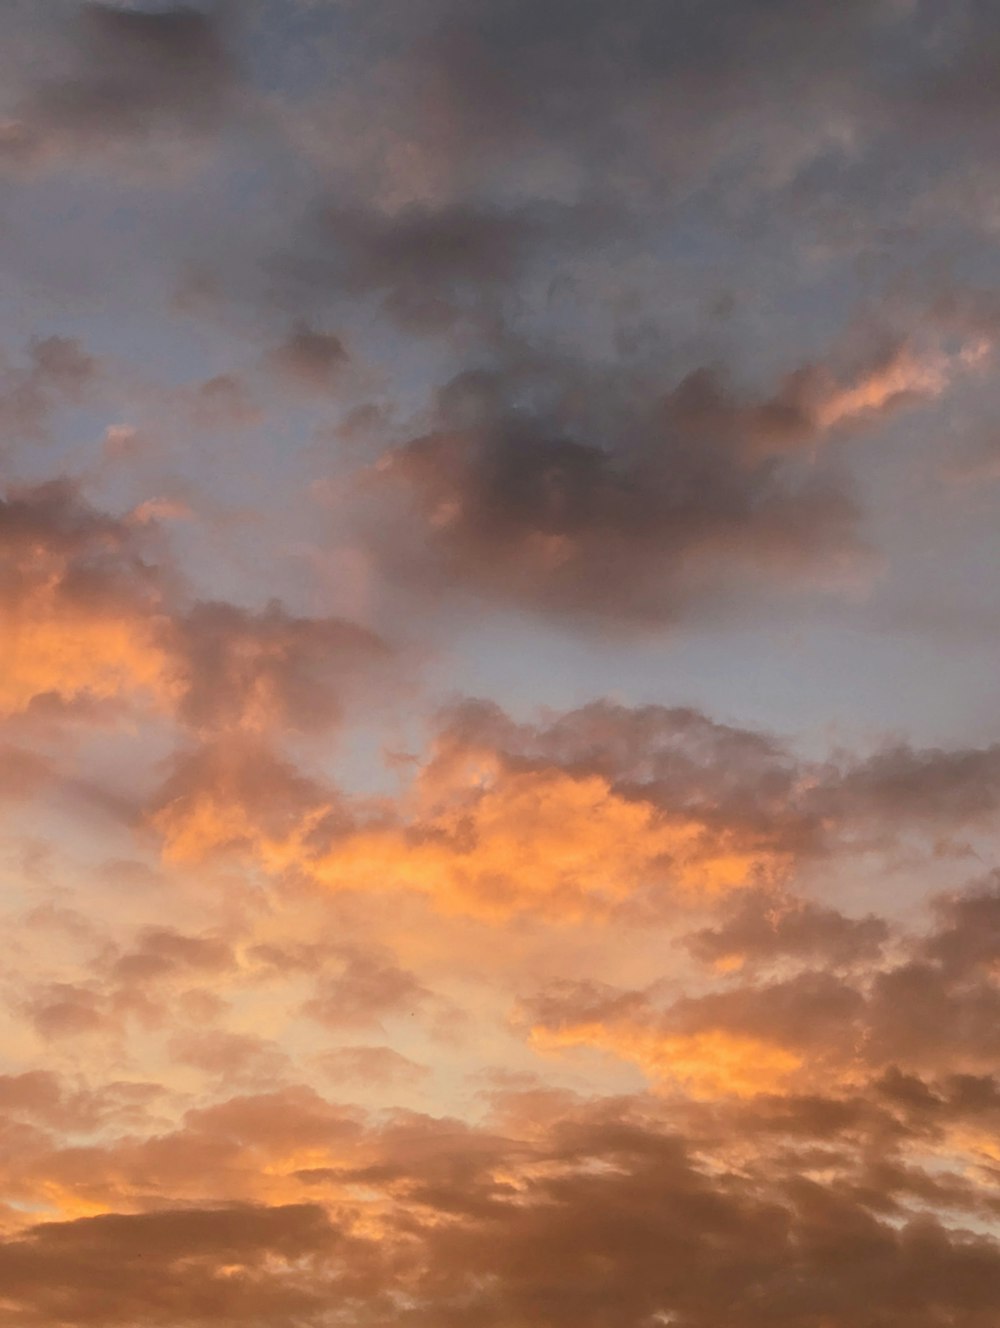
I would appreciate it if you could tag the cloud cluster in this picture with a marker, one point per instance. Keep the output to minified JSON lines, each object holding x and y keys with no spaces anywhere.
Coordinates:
{"x":376,"y":353}
{"x":93,"y":608}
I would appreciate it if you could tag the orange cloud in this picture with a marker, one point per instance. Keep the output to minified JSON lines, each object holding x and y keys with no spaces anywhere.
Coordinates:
{"x":544,"y":841}
{"x":507,"y":841}
{"x":706,"y":1065}
{"x":47,"y":650}
{"x":904,"y":374}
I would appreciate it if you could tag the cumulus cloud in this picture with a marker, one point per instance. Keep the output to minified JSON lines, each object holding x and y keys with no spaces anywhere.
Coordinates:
{"x":94,"y":607}
{"x":521,"y":504}
{"x":310,"y":359}
{"x":80,"y":600}
{"x":506,"y":819}
{"x":601,"y":811}
{"x":602,"y":1213}
{"x":934,"y":1005}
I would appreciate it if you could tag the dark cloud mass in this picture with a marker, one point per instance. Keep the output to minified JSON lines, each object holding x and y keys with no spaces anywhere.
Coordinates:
{"x":518,"y":507}
{"x":123,"y":74}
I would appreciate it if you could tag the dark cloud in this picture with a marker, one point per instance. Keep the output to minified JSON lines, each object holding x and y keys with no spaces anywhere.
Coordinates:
{"x":762,"y":927}
{"x":310,"y":358}
{"x":223,"y":402}
{"x":595,"y":1213}
{"x":433,"y":267}
{"x":640,"y":526}
{"x":97,"y":552}
{"x":239,"y":668}
{"x":967,"y":938}
{"x":930,"y":1004}
{"x":903,"y":784}
{"x":170,"y":1267}
{"x":607,"y":297}
{"x":487,"y":79}
{"x":376,"y":1066}
{"x":123,"y":76}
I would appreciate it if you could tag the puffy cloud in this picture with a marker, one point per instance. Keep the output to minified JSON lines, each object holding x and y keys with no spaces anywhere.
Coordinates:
{"x":236,"y":794}
{"x":163,"y":952}
{"x":931,"y":1005}
{"x":582,"y":494}
{"x":67,"y":1010}
{"x":637,"y":528}
{"x":79,"y":599}
{"x":434,"y":268}
{"x":564,"y":282}
{"x":763,"y":927}
{"x":598,"y":1213}
{"x":553,"y":820}
{"x":92,"y":608}
{"x":311,"y":359}
{"x":232,"y":1058}
{"x":237,"y":669}
{"x":599,"y":811}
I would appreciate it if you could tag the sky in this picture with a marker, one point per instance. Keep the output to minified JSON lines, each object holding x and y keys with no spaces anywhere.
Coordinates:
{"x":499,"y":749}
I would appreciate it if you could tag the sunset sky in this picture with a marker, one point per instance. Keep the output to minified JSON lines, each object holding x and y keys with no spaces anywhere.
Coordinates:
{"x":499,"y":623}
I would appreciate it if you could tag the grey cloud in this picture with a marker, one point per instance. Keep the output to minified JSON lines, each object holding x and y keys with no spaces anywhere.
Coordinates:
{"x":238,"y":666}
{"x":641,"y":526}
{"x":760,"y":927}
{"x":121,"y":76}
{"x":310,"y":358}
{"x":58,"y":373}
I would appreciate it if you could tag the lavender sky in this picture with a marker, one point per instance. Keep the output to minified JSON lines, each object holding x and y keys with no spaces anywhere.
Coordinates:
{"x":499,"y":749}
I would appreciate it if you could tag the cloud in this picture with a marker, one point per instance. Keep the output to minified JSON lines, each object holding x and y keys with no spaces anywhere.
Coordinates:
{"x":93,"y":608}
{"x":59,"y":372}
{"x":377,"y":1066}
{"x":162,"y":952}
{"x":600,"y":811}
{"x":524,"y":505}
{"x":310,"y":359}
{"x":232,"y":1058}
{"x":121,"y":78}
{"x":368,"y":988}
{"x":601,"y":1211}
{"x":505,"y":819}
{"x":79,"y":598}
{"x":236,"y":794}
{"x":330,"y":1006}
{"x":763,"y":927}
{"x":585,"y":495}
{"x":215,"y":1265}
{"x":239,"y":669}
{"x":930,"y":1005}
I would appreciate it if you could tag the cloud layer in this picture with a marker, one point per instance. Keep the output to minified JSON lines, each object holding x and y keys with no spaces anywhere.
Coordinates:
{"x":498,"y":754}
